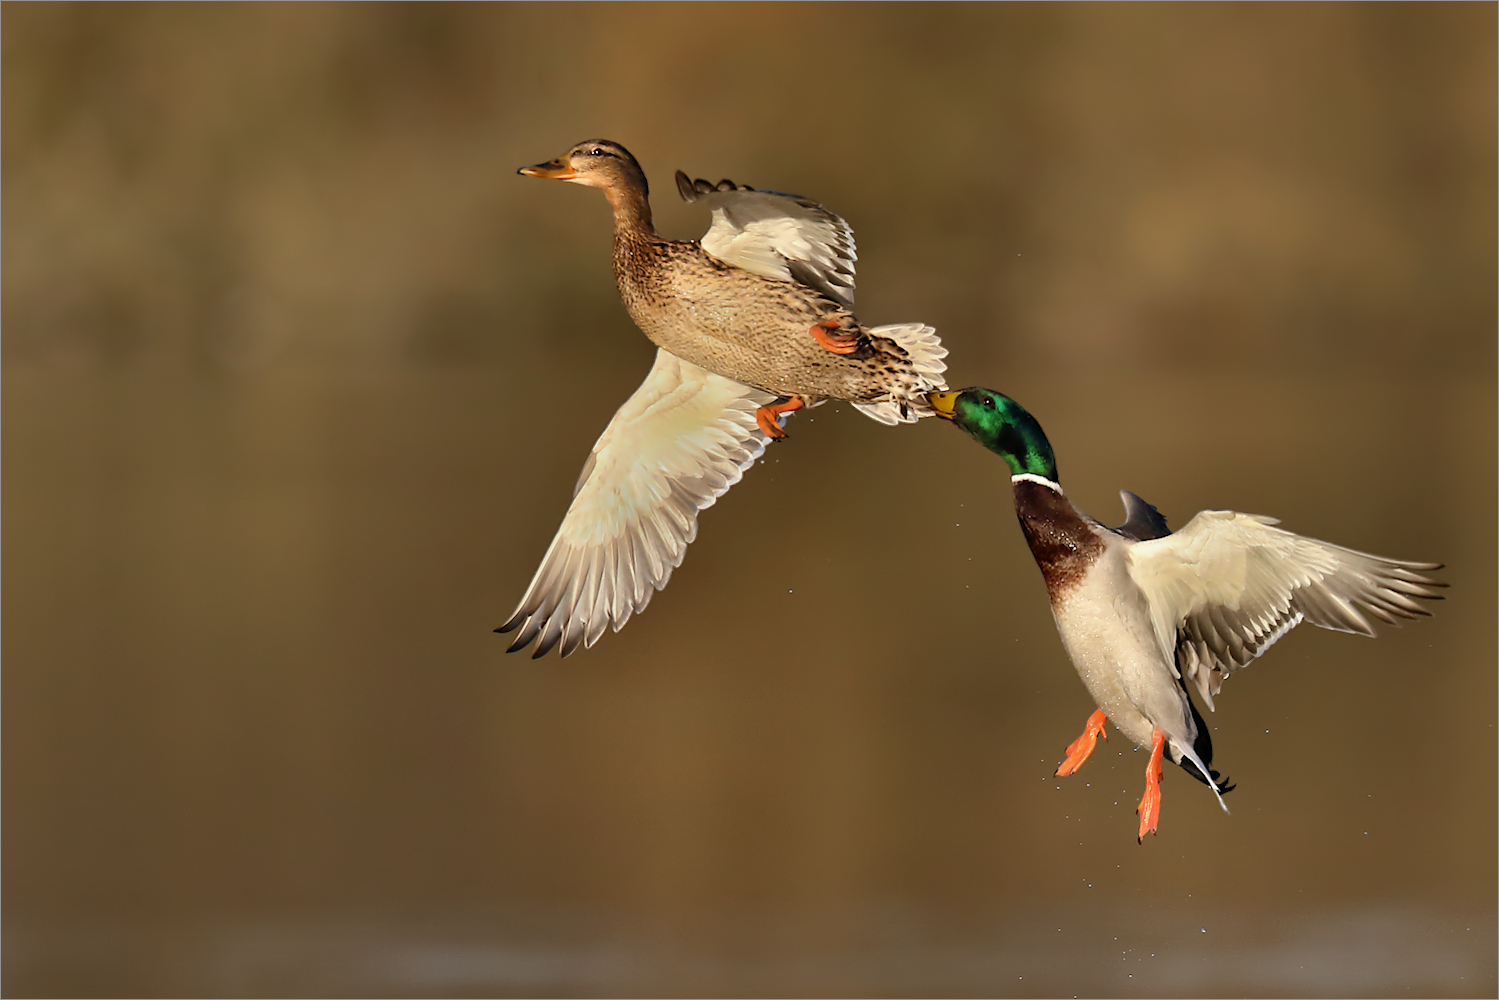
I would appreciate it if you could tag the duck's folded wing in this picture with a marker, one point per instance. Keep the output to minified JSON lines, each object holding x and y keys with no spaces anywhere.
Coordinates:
{"x":777,"y":235}
{"x":1226,"y":586}
{"x":674,"y":448}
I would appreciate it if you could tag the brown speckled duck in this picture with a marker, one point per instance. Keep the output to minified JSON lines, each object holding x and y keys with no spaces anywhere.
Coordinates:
{"x":752,"y":322}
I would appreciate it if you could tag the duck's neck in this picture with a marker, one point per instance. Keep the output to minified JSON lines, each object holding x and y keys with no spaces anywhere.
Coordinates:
{"x":632,"y":212}
{"x":1039,"y":480}
{"x":1062,"y":541}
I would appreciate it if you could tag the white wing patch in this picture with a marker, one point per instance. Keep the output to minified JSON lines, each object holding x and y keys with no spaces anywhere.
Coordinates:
{"x":673,"y":449}
{"x":1228,"y":585}
{"x":777,"y":235}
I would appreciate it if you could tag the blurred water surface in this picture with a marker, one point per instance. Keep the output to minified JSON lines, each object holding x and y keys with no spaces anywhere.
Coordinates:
{"x":298,"y":377}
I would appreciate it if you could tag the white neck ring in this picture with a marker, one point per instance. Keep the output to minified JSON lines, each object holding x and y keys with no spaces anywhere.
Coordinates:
{"x":1030,"y":477}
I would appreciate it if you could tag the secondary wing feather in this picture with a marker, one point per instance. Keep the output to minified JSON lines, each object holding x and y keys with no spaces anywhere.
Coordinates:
{"x":672,"y":449}
{"x":1228,"y":585}
{"x":777,"y":235}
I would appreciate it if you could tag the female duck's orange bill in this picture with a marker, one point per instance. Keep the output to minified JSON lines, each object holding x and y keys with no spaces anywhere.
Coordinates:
{"x":558,"y":169}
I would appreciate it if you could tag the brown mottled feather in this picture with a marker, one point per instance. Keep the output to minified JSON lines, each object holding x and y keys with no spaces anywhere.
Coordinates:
{"x":750,"y":328}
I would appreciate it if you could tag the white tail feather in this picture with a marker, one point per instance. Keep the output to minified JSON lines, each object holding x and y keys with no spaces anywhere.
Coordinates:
{"x":1191,"y":755}
{"x":921,"y":343}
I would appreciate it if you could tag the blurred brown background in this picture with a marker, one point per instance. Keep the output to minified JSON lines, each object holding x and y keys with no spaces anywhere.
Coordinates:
{"x":298,"y":377}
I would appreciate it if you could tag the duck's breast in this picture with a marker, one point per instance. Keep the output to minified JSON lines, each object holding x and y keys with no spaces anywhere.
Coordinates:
{"x":1105,"y":627}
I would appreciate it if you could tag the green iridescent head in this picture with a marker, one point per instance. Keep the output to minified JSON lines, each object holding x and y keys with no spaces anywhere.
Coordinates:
{"x":1003,"y":426}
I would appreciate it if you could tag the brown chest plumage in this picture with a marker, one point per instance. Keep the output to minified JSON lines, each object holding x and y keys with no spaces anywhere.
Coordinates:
{"x":750,"y":328}
{"x":1062,"y":541}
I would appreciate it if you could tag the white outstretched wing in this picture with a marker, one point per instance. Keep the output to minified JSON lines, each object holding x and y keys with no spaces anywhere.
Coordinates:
{"x":1226,"y":586}
{"x":674,"y":448}
{"x":777,"y":235}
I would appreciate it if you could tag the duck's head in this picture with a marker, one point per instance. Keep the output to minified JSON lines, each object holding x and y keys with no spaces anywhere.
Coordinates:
{"x":596,"y":163}
{"x":1002,"y":425}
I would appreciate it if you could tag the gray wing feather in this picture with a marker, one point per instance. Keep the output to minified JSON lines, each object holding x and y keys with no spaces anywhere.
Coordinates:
{"x":777,"y":235}
{"x":1142,"y":521}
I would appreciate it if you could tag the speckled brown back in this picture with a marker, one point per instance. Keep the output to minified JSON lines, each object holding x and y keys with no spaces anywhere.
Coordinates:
{"x":750,"y":328}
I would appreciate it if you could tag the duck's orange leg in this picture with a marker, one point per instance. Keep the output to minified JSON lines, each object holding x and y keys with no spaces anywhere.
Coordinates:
{"x":766,"y":416}
{"x":827,"y":333}
{"x":1081,"y":747}
{"x":1150,"y":805}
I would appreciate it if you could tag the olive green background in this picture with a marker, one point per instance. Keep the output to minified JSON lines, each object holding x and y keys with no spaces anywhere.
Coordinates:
{"x":298,"y":376}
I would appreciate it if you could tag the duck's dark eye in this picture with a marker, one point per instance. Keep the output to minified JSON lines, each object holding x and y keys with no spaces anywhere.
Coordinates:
{"x":988,"y":402}
{"x":597,"y":152}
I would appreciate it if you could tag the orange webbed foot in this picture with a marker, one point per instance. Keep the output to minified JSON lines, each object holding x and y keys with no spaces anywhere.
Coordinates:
{"x":828,"y":334}
{"x":767,"y":416}
{"x":1082,"y":747}
{"x":1150,"y":804}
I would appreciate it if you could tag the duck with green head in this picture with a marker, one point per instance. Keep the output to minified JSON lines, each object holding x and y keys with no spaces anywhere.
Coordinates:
{"x":1145,"y":614}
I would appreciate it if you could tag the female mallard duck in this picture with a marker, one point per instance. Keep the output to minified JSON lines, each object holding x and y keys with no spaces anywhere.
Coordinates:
{"x":752,"y":322}
{"x":1143,"y":612}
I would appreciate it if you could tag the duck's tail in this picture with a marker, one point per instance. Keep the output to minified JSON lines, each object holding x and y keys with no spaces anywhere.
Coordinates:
{"x":926,"y":352}
{"x":1196,"y":760}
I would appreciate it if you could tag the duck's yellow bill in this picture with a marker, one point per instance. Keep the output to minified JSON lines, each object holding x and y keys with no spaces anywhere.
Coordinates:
{"x":558,"y":169}
{"x":943,"y":403}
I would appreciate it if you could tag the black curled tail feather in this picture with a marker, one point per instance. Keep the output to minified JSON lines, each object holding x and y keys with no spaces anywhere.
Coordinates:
{"x":1203,"y":747}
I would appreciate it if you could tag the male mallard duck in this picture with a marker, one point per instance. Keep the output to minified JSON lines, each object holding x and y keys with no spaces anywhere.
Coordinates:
{"x":1143,"y":612}
{"x":752,"y":322}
